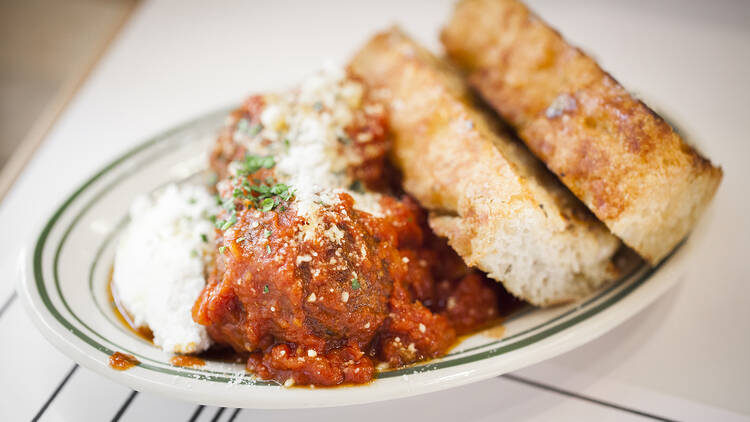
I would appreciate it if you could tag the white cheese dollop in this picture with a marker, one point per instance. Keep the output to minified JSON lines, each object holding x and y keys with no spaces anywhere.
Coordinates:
{"x":160,"y":264}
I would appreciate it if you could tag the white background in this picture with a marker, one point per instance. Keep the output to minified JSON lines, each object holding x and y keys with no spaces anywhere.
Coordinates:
{"x":685,"y":357}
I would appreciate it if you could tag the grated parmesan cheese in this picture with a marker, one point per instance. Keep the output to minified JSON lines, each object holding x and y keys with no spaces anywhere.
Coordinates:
{"x":303,"y":258}
{"x":334,"y":234}
{"x":311,"y":121}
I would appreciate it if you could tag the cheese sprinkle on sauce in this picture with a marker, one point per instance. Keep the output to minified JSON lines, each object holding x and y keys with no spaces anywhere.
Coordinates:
{"x":307,"y":129}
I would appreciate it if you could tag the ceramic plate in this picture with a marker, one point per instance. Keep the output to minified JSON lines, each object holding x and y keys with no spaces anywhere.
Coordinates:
{"x":65,"y":290}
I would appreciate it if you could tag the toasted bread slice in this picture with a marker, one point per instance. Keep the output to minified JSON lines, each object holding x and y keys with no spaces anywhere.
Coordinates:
{"x":614,"y":153}
{"x":500,"y":209}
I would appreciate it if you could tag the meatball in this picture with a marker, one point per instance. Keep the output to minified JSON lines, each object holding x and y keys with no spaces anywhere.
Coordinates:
{"x":318,"y":294}
{"x":320,"y":309}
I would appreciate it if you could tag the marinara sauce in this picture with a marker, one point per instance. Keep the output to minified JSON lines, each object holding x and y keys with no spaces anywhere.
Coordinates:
{"x":326,"y":305}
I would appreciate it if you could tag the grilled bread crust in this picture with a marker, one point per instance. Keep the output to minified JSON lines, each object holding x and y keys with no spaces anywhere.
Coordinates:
{"x":500,"y":209}
{"x":614,"y":153}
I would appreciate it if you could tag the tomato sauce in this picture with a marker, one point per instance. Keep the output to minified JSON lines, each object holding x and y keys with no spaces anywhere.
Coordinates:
{"x":325,"y":313}
{"x":122,"y":361}
{"x":361,"y":291}
{"x":327,"y":310}
{"x":186,"y":361}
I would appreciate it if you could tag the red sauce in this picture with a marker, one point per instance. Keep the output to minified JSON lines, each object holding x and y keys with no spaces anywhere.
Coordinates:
{"x":186,"y":360}
{"x":300,"y":313}
{"x":122,"y":361}
{"x":325,"y":311}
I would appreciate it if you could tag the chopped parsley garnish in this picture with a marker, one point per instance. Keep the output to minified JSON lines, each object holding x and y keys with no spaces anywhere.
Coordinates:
{"x":243,"y":124}
{"x":230,"y":221}
{"x":192,"y":201}
{"x":268,"y":248}
{"x":222,"y":249}
{"x":356,"y":186}
{"x":228,"y":204}
{"x":193,"y":253}
{"x":355,"y":283}
{"x":260,"y":188}
{"x":282,"y":191}
{"x":244,"y":127}
{"x":265,"y":289}
{"x":264,"y":195}
{"x":267,"y":204}
{"x":253,"y":163}
{"x":204,"y":238}
{"x":240,"y":239}
{"x":255,"y":129}
{"x":267,"y":233}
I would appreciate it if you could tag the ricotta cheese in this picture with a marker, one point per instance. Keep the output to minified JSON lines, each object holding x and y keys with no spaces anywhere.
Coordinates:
{"x":160,"y":264}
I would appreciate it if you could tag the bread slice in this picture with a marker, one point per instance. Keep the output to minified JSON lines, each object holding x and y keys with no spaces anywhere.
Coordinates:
{"x":613,"y":152}
{"x":497,"y":205}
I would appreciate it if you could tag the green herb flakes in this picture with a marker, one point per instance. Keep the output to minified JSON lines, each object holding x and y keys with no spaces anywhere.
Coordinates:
{"x":255,"y":129}
{"x":253,"y":163}
{"x":265,"y":194}
{"x":266,"y":289}
{"x":229,"y":222}
{"x":355,"y":283}
{"x":267,"y":204}
{"x":242,"y":125}
{"x":245,"y":127}
{"x":228,"y":204}
{"x":356,"y":186}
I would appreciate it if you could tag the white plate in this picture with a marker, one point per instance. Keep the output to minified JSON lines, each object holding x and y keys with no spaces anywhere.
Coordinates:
{"x":65,"y":280}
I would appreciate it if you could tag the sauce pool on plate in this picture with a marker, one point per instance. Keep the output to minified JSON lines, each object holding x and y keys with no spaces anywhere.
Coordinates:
{"x":122,"y":361}
{"x":186,"y":361}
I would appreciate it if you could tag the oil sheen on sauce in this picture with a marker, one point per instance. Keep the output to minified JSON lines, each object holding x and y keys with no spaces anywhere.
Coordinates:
{"x":122,"y":361}
{"x":186,"y":361}
{"x":495,"y":331}
{"x":122,"y":314}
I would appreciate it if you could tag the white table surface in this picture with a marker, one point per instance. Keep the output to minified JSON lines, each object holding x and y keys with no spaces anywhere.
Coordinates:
{"x":686,"y":357}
